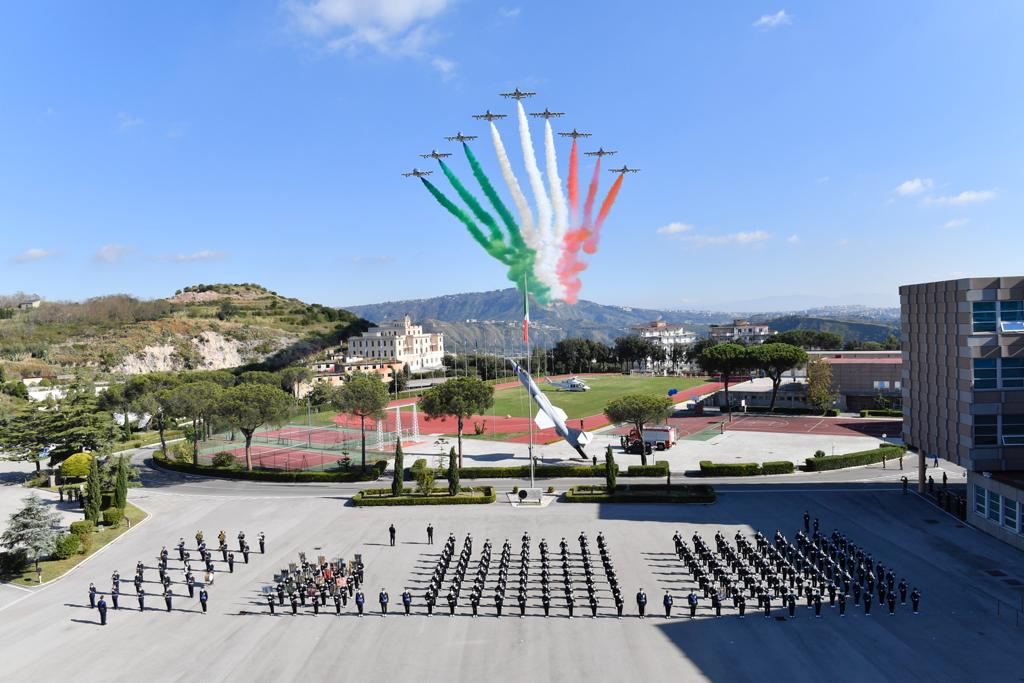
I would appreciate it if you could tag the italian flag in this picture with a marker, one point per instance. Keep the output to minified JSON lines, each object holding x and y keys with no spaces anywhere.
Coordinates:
{"x":526,"y":316}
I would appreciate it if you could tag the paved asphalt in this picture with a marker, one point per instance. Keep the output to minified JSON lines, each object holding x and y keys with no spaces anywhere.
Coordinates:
{"x":51,"y":634}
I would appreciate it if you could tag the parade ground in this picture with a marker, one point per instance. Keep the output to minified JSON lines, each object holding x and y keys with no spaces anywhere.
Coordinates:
{"x":966,"y":629}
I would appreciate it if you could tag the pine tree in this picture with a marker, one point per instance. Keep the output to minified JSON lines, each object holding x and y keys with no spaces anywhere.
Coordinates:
{"x":34,"y":527}
{"x":93,"y":492}
{"x":396,"y":483}
{"x":121,"y":483}
{"x":609,"y":470}
{"x":453,"y":473}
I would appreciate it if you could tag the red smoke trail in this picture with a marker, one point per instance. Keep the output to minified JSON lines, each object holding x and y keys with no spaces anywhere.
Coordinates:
{"x":588,"y":207}
{"x":590,"y":246}
{"x":574,"y":185}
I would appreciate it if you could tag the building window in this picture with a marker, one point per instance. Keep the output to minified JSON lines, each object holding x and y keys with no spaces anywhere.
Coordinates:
{"x":1009,"y":513}
{"x":1012,"y":372}
{"x":984,"y":316}
{"x":985,"y":371}
{"x":986,"y":430}
{"x":881,"y":384}
{"x":1011,"y":311}
{"x":979,"y":500}
{"x":1013,"y":430}
{"x":994,"y":503}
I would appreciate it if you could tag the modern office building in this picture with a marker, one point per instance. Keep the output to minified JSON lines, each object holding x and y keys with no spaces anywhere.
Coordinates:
{"x":963,"y":390}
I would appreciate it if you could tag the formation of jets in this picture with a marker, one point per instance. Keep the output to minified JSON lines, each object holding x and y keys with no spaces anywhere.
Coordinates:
{"x":548,"y":114}
{"x":575,"y":134}
{"x":518,"y":94}
{"x":489,"y":116}
{"x":434,"y":154}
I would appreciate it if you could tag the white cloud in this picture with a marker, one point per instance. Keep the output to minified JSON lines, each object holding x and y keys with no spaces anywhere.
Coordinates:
{"x":674,"y":228}
{"x":964,"y":198}
{"x":34,"y":254}
{"x":111,"y":253}
{"x":509,"y":12}
{"x":398,"y":27}
{"x":956,"y":223}
{"x":821,"y":180}
{"x":843,"y":243}
{"x":793,"y":239}
{"x":914,"y":186}
{"x":446,"y":67}
{"x":741,"y":239}
{"x":203,"y":255}
{"x":770,"y":21}
{"x":126,"y":121}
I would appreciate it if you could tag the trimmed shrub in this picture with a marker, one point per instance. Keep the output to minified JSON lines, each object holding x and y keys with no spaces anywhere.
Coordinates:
{"x":86,"y":544}
{"x":13,"y":563}
{"x":884,"y":412}
{"x":417,"y":465}
{"x":729,"y":469}
{"x":836,"y":462}
{"x":523,"y":471}
{"x":76,"y":466}
{"x":820,"y":453}
{"x":224,"y":459}
{"x":373,"y":471}
{"x":383,"y":497}
{"x":82,"y":528}
{"x":744,"y":469}
{"x":66,"y":546}
{"x":642,"y":493}
{"x":777,"y":467}
{"x":113,"y":516}
{"x":181,"y":452}
{"x":658,"y":469}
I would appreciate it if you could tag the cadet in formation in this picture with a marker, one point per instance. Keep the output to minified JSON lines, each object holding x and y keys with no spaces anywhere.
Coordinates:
{"x":102,"y":607}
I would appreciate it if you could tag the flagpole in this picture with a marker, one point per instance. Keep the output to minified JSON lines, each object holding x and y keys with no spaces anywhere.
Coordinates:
{"x":526,"y":334}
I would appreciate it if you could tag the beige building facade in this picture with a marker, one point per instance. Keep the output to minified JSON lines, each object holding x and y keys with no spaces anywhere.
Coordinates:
{"x":403,"y":342}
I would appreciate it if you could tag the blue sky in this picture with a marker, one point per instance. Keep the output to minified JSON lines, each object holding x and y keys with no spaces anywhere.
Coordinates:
{"x":828,"y":151}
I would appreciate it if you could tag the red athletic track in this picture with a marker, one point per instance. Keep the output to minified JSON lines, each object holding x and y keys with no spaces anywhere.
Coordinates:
{"x":785,"y":424}
{"x":501,"y":424}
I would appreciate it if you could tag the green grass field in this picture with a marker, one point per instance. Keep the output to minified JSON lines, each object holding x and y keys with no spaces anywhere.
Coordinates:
{"x":514,"y":401}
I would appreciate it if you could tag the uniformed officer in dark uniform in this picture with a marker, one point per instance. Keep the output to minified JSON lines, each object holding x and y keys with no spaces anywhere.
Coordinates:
{"x":102,"y":607}
{"x":407,"y":600}
{"x":263,"y":543}
{"x":203,"y":598}
{"x":141,"y":594}
{"x":452,"y":600}
{"x":667,"y":603}
{"x":115,"y":592}
{"x":245,"y":553}
{"x":316,"y":604}
{"x":915,"y":599}
{"x":337,"y":602}
{"x":791,"y":604}
{"x":168,"y":596}
{"x":817,"y":605}
{"x":903,"y":591}
{"x":92,"y":596}
{"x":430,"y":534}
{"x":741,"y":604}
{"x":270,"y":602}
{"x":641,"y":602}
{"x":521,"y":598}
{"x":231,"y":562}
{"x":545,"y":600}
{"x":892,"y":603}
{"x":295,"y":603}
{"x":868,"y":599}
{"x":842,"y":604}
{"x":807,"y":522}
{"x":391,"y":534}
{"x":499,"y":600}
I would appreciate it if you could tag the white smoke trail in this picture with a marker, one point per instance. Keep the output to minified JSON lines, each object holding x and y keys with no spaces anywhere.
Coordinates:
{"x":547,"y":274}
{"x":561,"y":209}
{"x":518,"y":198}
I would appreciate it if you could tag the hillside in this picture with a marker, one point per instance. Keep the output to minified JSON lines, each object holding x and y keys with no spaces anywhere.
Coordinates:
{"x":491,"y":319}
{"x":200,"y":327}
{"x":849,"y":330}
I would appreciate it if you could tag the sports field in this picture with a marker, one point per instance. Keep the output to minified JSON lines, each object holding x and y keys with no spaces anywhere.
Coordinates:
{"x":514,"y":401}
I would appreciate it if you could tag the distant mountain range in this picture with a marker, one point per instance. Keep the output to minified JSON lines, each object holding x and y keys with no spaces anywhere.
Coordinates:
{"x":492,"y":319}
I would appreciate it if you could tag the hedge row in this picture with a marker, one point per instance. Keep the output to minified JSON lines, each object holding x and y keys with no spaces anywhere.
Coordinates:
{"x":658,"y":469}
{"x":642,"y":493}
{"x":383,"y":497}
{"x":836,"y":462}
{"x":744,"y":469}
{"x":886,"y":412}
{"x":353,"y":474}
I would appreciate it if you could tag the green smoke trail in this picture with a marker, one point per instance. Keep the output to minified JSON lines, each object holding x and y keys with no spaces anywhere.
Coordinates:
{"x":515,"y":237}
{"x":475,"y":231}
{"x":471,"y":201}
